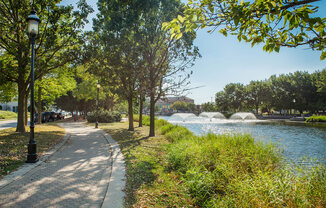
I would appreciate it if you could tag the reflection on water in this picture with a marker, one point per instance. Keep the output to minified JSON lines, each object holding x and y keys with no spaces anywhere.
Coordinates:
{"x":298,"y":141}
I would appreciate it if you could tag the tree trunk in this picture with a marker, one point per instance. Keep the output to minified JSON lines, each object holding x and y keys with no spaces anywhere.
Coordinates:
{"x":152,"y":117}
{"x":141,"y":111}
{"x":20,"y":119}
{"x":257,"y":109}
{"x":130,"y":115}
{"x":39,"y":103}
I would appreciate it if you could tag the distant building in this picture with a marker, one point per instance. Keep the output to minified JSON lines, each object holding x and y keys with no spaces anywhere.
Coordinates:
{"x":10,"y":106}
{"x":164,"y":104}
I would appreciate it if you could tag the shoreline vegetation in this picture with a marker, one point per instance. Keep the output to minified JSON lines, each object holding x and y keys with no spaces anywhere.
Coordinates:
{"x":179,"y":169}
{"x":315,"y":119}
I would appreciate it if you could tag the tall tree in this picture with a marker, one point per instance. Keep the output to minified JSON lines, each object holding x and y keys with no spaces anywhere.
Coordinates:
{"x":166,"y":57}
{"x":59,"y":39}
{"x":257,"y":92}
{"x":117,"y":52}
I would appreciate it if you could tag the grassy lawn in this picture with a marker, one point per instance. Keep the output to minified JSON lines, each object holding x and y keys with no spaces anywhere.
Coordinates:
{"x":13,"y":145}
{"x":7,"y":115}
{"x":149,"y":183}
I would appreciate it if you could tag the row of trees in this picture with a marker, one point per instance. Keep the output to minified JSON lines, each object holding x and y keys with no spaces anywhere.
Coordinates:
{"x":184,"y":107}
{"x":134,"y":57}
{"x":139,"y":49}
{"x":300,"y":91}
{"x":128,"y":52}
{"x":57,"y":48}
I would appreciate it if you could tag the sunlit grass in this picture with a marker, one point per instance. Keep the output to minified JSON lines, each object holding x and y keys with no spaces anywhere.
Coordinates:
{"x":179,"y":169}
{"x":315,"y":118}
{"x":149,"y":184}
{"x":5,"y":115}
{"x":13,"y":145}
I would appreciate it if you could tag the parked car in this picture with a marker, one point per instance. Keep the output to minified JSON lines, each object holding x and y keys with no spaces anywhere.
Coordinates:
{"x":60,"y":116}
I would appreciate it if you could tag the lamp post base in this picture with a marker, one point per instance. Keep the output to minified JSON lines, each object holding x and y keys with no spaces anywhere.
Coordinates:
{"x":32,"y":156}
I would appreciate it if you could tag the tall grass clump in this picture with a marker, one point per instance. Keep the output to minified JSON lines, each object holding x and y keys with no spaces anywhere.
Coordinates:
{"x":236,"y":171}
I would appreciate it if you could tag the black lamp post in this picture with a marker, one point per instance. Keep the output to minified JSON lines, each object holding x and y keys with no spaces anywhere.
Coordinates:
{"x":32,"y":29}
{"x":97,"y":101}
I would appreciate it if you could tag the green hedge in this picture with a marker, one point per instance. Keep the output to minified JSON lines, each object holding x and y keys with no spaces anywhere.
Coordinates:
{"x":103,"y":116}
{"x":315,"y":118}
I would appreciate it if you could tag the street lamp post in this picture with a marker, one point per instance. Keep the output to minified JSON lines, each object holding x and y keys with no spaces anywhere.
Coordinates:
{"x":32,"y":29}
{"x":97,"y":102}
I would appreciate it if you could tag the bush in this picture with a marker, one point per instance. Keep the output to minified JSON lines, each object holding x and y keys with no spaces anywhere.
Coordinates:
{"x":146,"y":120}
{"x":103,"y":116}
{"x":7,"y":114}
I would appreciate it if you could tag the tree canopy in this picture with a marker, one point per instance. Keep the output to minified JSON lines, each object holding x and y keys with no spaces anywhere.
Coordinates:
{"x":58,"y":43}
{"x":300,"y":91}
{"x":274,"y":23}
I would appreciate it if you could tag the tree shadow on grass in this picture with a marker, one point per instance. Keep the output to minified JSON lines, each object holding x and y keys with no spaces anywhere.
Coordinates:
{"x":139,"y":169}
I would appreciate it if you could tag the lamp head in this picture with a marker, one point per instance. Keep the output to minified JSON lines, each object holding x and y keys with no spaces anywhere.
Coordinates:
{"x":33,"y":24}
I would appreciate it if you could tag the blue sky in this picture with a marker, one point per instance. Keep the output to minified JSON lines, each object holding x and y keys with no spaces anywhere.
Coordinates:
{"x":225,"y":60}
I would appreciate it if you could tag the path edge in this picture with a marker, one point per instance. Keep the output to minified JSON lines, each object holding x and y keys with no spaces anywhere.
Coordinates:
{"x":114,"y":196}
{"x":25,"y":168}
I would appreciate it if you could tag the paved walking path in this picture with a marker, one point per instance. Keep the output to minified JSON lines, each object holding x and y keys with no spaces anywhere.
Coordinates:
{"x":82,"y":173}
{"x":8,"y":124}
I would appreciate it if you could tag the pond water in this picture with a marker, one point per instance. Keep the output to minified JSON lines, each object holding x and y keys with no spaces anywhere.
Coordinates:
{"x":301,"y":143}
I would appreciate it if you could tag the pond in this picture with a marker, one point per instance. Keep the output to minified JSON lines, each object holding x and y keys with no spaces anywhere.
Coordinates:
{"x":301,"y":143}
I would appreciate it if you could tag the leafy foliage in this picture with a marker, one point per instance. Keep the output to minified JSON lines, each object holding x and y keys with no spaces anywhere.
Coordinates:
{"x":299,"y":90}
{"x":59,"y":42}
{"x":183,"y":106}
{"x":274,"y":23}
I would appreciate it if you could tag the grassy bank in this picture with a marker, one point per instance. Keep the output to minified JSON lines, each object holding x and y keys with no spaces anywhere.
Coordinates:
{"x":179,"y":169}
{"x":149,"y":184}
{"x":5,"y":115}
{"x":315,"y":118}
{"x":13,"y":145}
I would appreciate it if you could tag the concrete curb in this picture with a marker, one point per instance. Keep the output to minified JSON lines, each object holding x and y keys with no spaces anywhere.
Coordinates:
{"x":30,"y":166}
{"x":114,"y":194}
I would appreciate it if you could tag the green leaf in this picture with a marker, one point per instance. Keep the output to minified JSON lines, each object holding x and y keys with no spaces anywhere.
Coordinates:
{"x":181,"y":19}
{"x":178,"y":36}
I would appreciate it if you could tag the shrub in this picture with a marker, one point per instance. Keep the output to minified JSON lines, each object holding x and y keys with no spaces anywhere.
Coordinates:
{"x":146,"y":120}
{"x":103,"y":116}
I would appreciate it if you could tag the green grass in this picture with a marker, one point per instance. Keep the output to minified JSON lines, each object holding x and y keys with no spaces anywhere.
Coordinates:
{"x":7,"y":115}
{"x":315,"y":118}
{"x":13,"y":145}
{"x":179,"y":169}
{"x":149,"y":183}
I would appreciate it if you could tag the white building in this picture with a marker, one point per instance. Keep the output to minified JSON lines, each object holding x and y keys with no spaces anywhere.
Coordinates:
{"x":10,"y":106}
